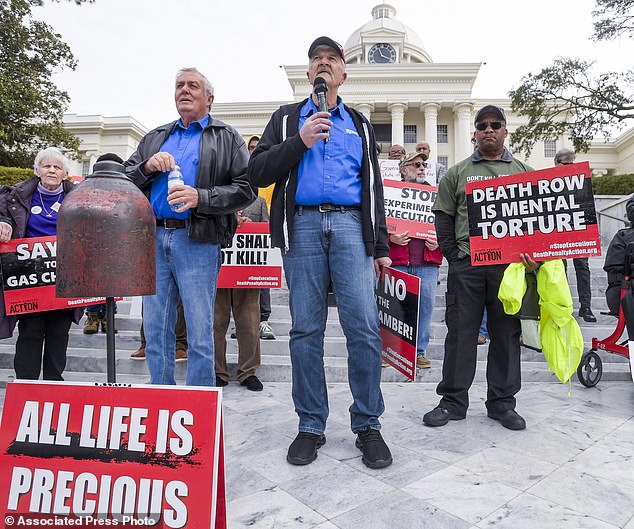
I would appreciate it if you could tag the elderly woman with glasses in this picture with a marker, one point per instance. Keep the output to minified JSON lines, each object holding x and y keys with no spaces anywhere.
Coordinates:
{"x":29,"y":209}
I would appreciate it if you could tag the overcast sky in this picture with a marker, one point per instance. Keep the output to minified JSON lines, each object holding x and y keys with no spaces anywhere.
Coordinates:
{"x":130,"y":50}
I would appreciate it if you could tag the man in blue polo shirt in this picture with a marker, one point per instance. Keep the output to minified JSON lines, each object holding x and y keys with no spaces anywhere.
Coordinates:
{"x":213,"y":160}
{"x":327,"y":215}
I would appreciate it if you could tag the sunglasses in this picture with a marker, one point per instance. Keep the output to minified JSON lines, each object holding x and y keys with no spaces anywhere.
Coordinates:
{"x":418,"y":165}
{"x":397,"y":152}
{"x":565,"y":163}
{"x":495,"y":125}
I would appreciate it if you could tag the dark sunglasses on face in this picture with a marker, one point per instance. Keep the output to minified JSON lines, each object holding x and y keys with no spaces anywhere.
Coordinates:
{"x":495,"y":125}
{"x":418,"y":165}
{"x":397,"y":152}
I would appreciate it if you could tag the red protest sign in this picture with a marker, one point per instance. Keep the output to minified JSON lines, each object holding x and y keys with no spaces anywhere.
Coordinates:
{"x":408,"y":208}
{"x":548,"y":214}
{"x":250,"y":261}
{"x":144,"y":455}
{"x":397,"y":295}
{"x":28,"y":277}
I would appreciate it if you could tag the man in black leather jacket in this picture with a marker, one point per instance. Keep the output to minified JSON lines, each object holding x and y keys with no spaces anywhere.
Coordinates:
{"x":194,"y":220}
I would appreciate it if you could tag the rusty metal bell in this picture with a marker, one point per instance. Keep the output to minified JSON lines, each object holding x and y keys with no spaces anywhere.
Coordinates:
{"x":106,"y":233}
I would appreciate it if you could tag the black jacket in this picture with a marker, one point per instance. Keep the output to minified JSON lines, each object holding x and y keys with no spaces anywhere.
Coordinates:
{"x":614,"y":263}
{"x":276,"y":161}
{"x":221,"y":180}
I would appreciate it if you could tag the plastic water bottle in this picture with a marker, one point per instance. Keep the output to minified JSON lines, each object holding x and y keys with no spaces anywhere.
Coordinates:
{"x":174,"y":178}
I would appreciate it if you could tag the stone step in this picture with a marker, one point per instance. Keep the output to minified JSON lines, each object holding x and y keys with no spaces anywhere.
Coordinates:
{"x":87,"y":353}
{"x":90,"y":355}
{"x":336,"y":371}
{"x":127,"y":341}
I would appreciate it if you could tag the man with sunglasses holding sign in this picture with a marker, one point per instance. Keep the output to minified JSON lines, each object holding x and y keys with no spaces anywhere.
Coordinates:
{"x":472,"y":288}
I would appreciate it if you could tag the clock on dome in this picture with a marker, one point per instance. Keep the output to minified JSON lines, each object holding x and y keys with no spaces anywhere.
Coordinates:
{"x":382,"y":54}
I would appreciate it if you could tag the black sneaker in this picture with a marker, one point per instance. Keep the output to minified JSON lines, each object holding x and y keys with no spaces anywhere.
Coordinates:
{"x":509,"y":419}
{"x":440,"y":416}
{"x":252,"y":383}
{"x":376,"y":454}
{"x":587,"y":315}
{"x":303,"y":449}
{"x":221,"y":382}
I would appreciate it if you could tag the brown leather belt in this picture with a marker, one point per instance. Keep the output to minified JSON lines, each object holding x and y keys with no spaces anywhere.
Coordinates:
{"x":172,"y":224}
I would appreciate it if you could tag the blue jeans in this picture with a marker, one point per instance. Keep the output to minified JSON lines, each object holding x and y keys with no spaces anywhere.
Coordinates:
{"x":189,"y":268}
{"x":325,"y":248}
{"x":484,"y":331}
{"x":428,"y":275}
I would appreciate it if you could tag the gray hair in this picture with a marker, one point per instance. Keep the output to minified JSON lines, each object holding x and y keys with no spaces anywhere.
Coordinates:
{"x":51,"y":153}
{"x":564,"y":154}
{"x":209,"y":89}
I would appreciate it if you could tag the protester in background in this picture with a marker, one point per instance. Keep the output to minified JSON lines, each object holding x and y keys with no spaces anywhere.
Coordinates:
{"x":212,"y":158}
{"x":472,"y":288}
{"x":244,"y":303}
{"x":615,"y":260}
{"x":419,"y":257}
{"x":582,"y":270}
{"x":180,"y":331}
{"x":434,"y":171}
{"x":327,"y":216}
{"x":29,"y":209}
{"x":266,"y":333}
{"x":396,"y":152}
{"x":483,"y":333}
{"x":96,"y":314}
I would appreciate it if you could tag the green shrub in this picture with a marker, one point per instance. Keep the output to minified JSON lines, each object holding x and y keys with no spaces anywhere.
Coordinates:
{"x":620,"y":184}
{"x":13,"y":175}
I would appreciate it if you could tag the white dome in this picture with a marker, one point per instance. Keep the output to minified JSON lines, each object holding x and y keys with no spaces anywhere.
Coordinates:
{"x":385,"y":28}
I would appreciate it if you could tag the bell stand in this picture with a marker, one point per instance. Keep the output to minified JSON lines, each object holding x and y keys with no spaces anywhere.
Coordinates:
{"x":110,"y":354}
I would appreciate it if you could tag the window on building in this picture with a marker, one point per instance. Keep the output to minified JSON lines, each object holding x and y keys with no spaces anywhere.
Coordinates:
{"x":383,"y":132}
{"x":550,"y":148}
{"x":444,"y":160}
{"x":409,"y":134}
{"x":382,"y":12}
{"x":442,"y":134}
{"x":85,"y":168}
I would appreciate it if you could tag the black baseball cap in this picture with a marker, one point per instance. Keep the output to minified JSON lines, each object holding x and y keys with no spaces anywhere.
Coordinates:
{"x":490,"y":109}
{"x":326,"y":41}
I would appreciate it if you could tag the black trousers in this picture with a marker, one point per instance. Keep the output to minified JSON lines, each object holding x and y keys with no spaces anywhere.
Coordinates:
{"x":582,"y":271}
{"x":265,"y":304}
{"x":50,"y":330}
{"x":469,"y":290}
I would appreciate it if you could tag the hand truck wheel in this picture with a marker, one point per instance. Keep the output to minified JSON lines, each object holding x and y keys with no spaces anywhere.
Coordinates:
{"x":590,"y":369}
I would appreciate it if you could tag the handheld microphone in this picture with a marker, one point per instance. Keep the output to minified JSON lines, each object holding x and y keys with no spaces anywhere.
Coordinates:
{"x":320,"y":87}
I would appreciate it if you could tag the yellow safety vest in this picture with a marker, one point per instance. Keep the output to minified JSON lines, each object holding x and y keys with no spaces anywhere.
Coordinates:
{"x":561,"y":338}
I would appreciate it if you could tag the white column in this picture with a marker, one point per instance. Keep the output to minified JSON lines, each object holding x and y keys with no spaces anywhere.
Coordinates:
{"x":430,"y":112}
{"x":398,"y":120}
{"x":462,"y":134}
{"x":365,"y":108}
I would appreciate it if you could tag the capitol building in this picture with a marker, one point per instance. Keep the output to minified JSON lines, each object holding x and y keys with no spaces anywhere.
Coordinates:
{"x":396,"y":84}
